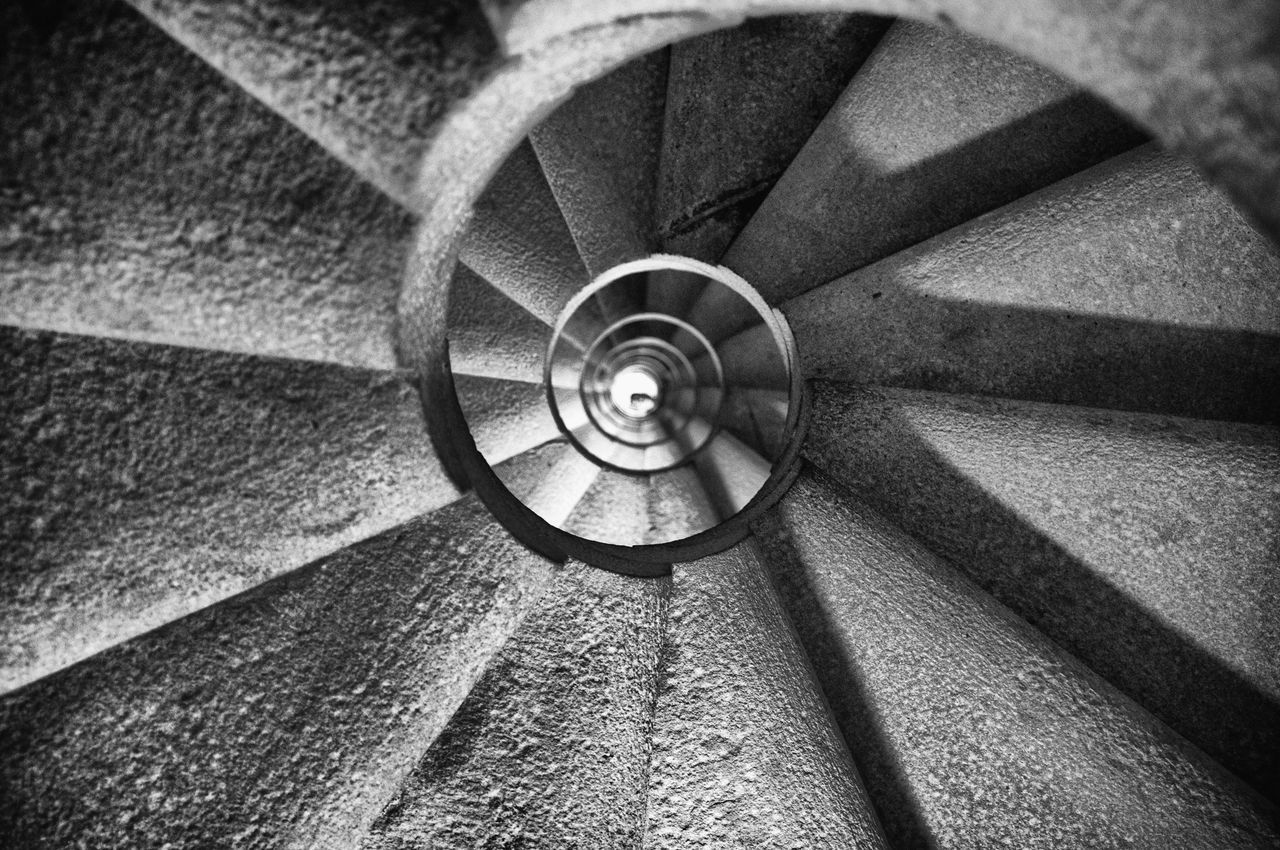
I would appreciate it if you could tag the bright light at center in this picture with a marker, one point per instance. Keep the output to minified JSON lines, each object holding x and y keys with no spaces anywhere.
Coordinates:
{"x":635,"y":391}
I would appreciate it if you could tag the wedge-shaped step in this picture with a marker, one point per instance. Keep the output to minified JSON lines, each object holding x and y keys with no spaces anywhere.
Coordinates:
{"x":740,"y":103}
{"x":1145,"y":545}
{"x":615,"y":509}
{"x":970,"y":727}
{"x":369,"y":82}
{"x":600,"y":153}
{"x":1133,"y":286}
{"x":490,"y":335}
{"x":143,"y":482}
{"x":220,"y":226}
{"x":935,"y":128}
{"x":287,"y":716}
{"x":551,"y":748}
{"x":745,"y":752}
{"x":518,"y":240}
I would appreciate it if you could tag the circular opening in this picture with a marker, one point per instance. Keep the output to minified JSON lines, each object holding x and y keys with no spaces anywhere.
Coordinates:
{"x":635,"y":391}
{"x":676,"y":376}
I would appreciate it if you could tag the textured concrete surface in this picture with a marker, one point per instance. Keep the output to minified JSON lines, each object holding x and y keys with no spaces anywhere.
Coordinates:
{"x":971,"y":728}
{"x":518,"y":240}
{"x":740,"y":103}
{"x":369,"y":82}
{"x":287,"y":716}
{"x":936,"y":128}
{"x":490,"y":335}
{"x":615,"y":510}
{"x":206,"y":221}
{"x":745,"y":751}
{"x":1132,"y":285}
{"x":551,"y":748}
{"x":1204,"y":77}
{"x":1145,"y":545}
{"x":147,"y":197}
{"x":142,"y":482}
{"x":600,"y":153}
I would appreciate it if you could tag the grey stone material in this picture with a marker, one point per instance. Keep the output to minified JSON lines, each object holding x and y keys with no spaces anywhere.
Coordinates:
{"x":740,"y":103}
{"x":286,"y":716}
{"x":220,"y":227}
{"x":147,"y":197}
{"x":745,"y":752}
{"x":142,"y":482}
{"x":604,"y":172}
{"x":615,"y":509}
{"x":936,"y":128}
{"x":518,"y":240}
{"x":551,"y":747}
{"x":490,"y":335}
{"x":369,"y":81}
{"x":1204,"y":77}
{"x":1133,"y":285}
{"x":1145,"y":545}
{"x":972,"y":729}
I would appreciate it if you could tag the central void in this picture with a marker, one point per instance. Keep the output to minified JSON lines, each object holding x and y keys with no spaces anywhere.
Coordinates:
{"x":639,"y":381}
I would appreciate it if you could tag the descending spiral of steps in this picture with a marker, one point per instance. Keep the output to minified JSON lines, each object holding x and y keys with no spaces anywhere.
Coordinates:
{"x":820,"y":430}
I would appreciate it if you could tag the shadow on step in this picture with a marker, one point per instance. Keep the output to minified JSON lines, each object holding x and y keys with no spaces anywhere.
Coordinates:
{"x":881,"y":771}
{"x":905,"y":339}
{"x":1216,"y":708}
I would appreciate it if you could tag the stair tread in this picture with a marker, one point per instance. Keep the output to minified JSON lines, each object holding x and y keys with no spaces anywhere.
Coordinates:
{"x":935,"y":128}
{"x":144,"y":482}
{"x":971,"y":728}
{"x":600,"y":151}
{"x":615,"y":510}
{"x":740,"y":103}
{"x":1143,"y":544}
{"x":330,"y":683}
{"x":552,"y":744}
{"x":745,"y":752}
{"x":519,"y":242}
{"x":376,"y":114}
{"x":1108,"y":289}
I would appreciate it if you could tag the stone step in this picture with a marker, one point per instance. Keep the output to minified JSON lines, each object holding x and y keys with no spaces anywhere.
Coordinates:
{"x":745,"y":751}
{"x":290,"y":715}
{"x":936,"y":128}
{"x":740,"y":103}
{"x":143,"y":482}
{"x":551,"y":747}
{"x":1133,"y":285}
{"x":1143,"y":544}
{"x":970,"y":727}
{"x":600,"y":153}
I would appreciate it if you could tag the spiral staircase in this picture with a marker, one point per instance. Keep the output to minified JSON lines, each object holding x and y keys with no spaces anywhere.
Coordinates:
{"x":300,"y":551}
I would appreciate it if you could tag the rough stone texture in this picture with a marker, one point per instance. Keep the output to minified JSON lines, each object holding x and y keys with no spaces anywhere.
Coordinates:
{"x":551,"y":748}
{"x":740,"y":103}
{"x":614,"y":510}
{"x":206,"y":221}
{"x":491,"y":336}
{"x":147,"y":197}
{"x":679,"y":505}
{"x":1133,"y":286}
{"x":971,"y":728}
{"x":1147,"y":546}
{"x":1205,"y":77}
{"x":519,"y":242}
{"x":600,"y":152}
{"x":287,"y":716}
{"x":936,"y":128}
{"x":745,"y":752}
{"x":370,"y":81}
{"x":142,"y":482}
